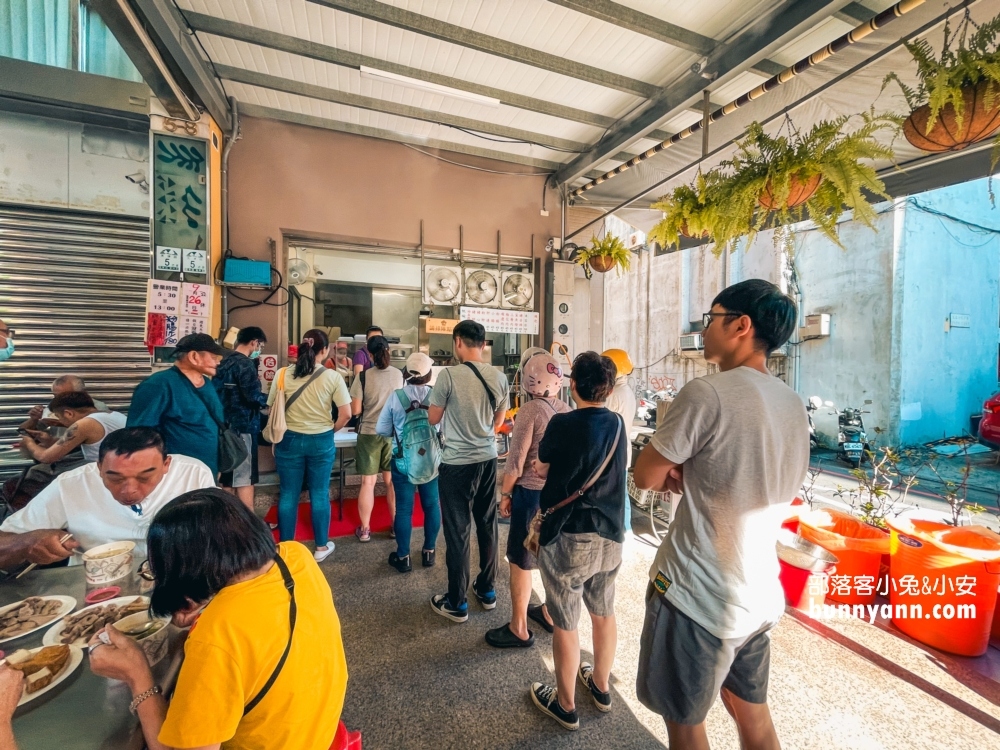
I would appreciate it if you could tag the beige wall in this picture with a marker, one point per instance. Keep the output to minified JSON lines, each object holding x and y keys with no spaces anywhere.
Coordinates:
{"x":295,"y":179}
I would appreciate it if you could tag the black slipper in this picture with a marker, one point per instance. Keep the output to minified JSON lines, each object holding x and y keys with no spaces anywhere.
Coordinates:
{"x":502,"y":638}
{"x":536,"y":614}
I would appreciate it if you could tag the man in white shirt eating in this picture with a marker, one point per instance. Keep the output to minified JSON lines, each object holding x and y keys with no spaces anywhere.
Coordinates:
{"x":112,"y":500}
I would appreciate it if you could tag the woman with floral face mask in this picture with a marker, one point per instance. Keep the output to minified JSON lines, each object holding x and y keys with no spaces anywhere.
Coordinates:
{"x":238,"y":386}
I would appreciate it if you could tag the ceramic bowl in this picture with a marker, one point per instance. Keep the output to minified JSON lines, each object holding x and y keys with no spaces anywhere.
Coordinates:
{"x":108,"y":562}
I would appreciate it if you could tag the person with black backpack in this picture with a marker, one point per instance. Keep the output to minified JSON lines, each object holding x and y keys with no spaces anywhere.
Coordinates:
{"x":416,"y":457}
{"x":470,"y":403}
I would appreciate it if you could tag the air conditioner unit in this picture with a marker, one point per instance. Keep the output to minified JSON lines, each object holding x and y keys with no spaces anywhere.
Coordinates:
{"x":692,"y":342}
{"x":517,"y":290}
{"x":442,"y":285}
{"x":781,"y":351}
{"x":635,"y":240}
{"x":482,"y":287}
{"x":816,"y":327}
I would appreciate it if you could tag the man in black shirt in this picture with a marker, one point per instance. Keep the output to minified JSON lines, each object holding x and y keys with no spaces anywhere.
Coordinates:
{"x":581,"y":542}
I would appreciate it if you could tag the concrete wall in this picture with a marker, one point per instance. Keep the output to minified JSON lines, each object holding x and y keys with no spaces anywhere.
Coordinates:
{"x":947,"y":372}
{"x":69,"y":165}
{"x":288,"y":178}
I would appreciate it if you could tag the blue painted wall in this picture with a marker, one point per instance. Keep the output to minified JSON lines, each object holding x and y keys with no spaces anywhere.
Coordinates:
{"x":944,"y":267}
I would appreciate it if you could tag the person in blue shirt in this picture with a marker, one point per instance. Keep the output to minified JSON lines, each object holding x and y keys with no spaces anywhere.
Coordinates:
{"x":238,"y":387}
{"x":6,"y":342}
{"x":181,"y":403}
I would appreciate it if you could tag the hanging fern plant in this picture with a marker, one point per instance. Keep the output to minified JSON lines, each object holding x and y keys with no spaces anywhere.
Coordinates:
{"x":604,"y":254}
{"x":957,"y":98}
{"x":774,"y":181}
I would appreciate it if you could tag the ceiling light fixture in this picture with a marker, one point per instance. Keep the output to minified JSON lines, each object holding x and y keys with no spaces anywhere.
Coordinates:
{"x":383,"y":76}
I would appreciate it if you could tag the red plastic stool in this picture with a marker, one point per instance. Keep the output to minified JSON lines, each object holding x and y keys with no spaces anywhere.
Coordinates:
{"x":345,"y":740}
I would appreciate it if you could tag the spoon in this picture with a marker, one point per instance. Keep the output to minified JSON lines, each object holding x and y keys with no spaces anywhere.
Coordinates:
{"x":140,"y":629}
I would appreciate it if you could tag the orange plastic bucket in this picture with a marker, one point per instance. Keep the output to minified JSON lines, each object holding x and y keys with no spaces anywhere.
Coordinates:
{"x":857,"y":545}
{"x":943,"y":583}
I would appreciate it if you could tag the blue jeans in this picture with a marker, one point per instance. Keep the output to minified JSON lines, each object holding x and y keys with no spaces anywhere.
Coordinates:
{"x":305,"y":457}
{"x":403,"y":524}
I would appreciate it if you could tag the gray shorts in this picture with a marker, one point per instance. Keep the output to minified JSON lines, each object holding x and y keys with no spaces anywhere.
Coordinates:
{"x":243,"y":474}
{"x":578,"y":567}
{"x":682,"y":667}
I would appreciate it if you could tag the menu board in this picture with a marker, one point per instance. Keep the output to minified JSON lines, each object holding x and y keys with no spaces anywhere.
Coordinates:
{"x":441,"y":325}
{"x":502,"y":321}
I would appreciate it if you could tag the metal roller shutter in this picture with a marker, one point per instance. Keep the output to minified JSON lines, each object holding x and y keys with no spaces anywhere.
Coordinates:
{"x":73,"y":285}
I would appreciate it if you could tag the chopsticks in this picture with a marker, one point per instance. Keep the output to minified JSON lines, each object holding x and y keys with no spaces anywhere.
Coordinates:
{"x":66,"y":538}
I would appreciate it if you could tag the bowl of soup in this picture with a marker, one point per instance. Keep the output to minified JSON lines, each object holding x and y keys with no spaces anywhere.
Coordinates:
{"x":149,"y":632}
{"x":108,"y":562}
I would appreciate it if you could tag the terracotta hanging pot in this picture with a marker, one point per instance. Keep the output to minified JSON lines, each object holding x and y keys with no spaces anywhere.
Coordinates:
{"x":798,"y":192}
{"x":602,"y":263}
{"x":978,"y":122}
{"x":687,"y":233}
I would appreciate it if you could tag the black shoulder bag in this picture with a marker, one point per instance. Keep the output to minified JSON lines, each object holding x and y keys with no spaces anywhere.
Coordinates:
{"x":355,"y":421}
{"x":232,"y":450}
{"x":489,"y":393}
{"x":290,"y":585}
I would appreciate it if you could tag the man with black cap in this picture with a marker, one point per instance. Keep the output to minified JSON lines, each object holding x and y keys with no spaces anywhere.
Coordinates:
{"x":181,"y":403}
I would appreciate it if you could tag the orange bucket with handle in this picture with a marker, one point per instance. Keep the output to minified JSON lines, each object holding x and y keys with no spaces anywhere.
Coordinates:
{"x":943,"y":583}
{"x":858,"y":547}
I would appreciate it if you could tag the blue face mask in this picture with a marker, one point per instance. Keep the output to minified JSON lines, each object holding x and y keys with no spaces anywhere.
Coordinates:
{"x":7,"y":353}
{"x":254,"y":354}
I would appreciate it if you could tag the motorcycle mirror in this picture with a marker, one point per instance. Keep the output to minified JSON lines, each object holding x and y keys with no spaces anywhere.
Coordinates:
{"x":815,"y":402}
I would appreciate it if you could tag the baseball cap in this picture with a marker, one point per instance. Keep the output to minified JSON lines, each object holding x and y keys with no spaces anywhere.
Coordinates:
{"x":198,"y":342}
{"x":419,"y":364}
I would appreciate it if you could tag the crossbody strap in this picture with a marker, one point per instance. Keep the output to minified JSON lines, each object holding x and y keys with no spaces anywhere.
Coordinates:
{"x":596,"y":475}
{"x":286,"y":576}
{"x":291,"y":399}
{"x":489,"y":393}
{"x":197,"y":392}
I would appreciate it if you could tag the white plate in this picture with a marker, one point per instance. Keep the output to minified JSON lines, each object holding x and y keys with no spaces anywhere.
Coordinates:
{"x":68,"y":602}
{"x":75,"y":659}
{"x":52,"y":635}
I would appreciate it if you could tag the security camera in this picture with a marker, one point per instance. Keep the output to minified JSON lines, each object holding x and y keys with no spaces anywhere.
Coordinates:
{"x":138,"y":178}
{"x":698,"y":68}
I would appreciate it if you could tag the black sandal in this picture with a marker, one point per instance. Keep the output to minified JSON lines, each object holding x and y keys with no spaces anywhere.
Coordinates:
{"x":538,"y":615}
{"x":502,"y":637}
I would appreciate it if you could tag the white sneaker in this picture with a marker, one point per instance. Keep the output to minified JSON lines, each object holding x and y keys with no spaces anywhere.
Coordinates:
{"x":321,"y":554}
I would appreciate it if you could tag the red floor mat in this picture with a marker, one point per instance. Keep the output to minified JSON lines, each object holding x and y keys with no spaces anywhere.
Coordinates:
{"x":380,"y":518}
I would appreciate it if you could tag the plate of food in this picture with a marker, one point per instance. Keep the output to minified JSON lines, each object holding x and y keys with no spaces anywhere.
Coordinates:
{"x":44,"y":668}
{"x":28,"y":615}
{"x":78,"y":628}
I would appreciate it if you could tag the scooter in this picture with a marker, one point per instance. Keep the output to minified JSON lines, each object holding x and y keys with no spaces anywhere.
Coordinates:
{"x":812,"y":405}
{"x":646,"y":407}
{"x":852,"y":440}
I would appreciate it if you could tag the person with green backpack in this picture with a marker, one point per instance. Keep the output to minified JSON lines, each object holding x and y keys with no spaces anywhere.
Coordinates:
{"x":415,"y":459}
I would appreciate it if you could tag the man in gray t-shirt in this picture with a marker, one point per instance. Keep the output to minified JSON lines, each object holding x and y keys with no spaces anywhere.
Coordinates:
{"x":470,"y":402}
{"x":736,"y":445}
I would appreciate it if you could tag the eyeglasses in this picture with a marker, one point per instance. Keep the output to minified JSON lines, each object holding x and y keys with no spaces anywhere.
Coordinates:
{"x":706,"y":319}
{"x":145,"y":571}
{"x":7,"y":331}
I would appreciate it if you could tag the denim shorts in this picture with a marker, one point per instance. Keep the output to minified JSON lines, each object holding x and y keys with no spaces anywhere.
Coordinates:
{"x":575,"y":568}
{"x":523,"y":506}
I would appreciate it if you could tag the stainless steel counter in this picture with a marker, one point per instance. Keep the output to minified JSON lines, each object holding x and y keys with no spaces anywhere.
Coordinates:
{"x":85,"y":712}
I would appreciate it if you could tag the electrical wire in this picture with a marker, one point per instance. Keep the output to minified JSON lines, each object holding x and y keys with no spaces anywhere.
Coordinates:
{"x":478,"y":169}
{"x":515,"y":141}
{"x":192,"y":32}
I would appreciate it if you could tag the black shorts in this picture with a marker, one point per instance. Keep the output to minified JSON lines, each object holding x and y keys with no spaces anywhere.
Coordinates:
{"x":682,"y":667}
{"x":523,"y":506}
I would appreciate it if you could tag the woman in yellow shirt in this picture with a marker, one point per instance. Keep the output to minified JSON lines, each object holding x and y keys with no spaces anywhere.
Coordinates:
{"x":246,"y":682}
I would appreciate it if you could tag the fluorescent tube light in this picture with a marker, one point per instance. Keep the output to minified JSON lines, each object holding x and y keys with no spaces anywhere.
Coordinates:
{"x":386,"y":77}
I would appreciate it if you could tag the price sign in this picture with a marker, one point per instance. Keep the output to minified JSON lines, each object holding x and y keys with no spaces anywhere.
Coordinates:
{"x":170,"y":335}
{"x":195,"y":261}
{"x":168,"y":258}
{"x":194,"y":298}
{"x":188,"y":325}
{"x":163,"y":297}
{"x":502,"y":321}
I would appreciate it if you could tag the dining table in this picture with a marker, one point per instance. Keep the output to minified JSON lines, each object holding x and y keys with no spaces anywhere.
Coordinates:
{"x":84,"y":711}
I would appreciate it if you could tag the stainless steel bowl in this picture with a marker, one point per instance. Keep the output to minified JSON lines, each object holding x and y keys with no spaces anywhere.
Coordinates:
{"x":803,"y":554}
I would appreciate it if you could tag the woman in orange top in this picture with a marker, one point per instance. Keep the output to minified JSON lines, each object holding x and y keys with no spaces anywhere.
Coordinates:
{"x":216,"y":562}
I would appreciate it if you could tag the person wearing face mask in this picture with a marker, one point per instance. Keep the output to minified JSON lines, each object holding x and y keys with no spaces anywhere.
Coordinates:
{"x":239,"y":390}
{"x":6,"y":342}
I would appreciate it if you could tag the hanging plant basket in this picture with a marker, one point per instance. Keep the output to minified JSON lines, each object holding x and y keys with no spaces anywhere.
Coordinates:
{"x":980,"y":119}
{"x":690,"y":235}
{"x":602,"y":263}
{"x":799,"y":191}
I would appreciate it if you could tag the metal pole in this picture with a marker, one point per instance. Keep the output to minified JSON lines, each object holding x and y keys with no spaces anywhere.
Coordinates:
{"x":853,"y":36}
{"x":706,"y":109}
{"x":225,"y":203}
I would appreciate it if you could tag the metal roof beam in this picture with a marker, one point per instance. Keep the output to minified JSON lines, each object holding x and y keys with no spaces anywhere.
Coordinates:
{"x":270,"y":113}
{"x":165,"y":25}
{"x":855,"y":13}
{"x":276,"y":83}
{"x":453,"y":34}
{"x":325,"y":53}
{"x":782,"y":24}
{"x":654,"y":28}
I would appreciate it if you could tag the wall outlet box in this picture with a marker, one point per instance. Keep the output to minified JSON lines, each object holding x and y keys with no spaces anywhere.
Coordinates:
{"x":816,"y":327}
{"x":248,"y":272}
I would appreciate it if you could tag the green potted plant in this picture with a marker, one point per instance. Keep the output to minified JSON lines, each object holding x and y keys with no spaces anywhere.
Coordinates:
{"x":684,"y":215}
{"x":957,"y":98}
{"x":604,"y":254}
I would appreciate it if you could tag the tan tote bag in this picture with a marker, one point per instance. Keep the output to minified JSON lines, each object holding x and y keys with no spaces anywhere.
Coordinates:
{"x":276,"y":424}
